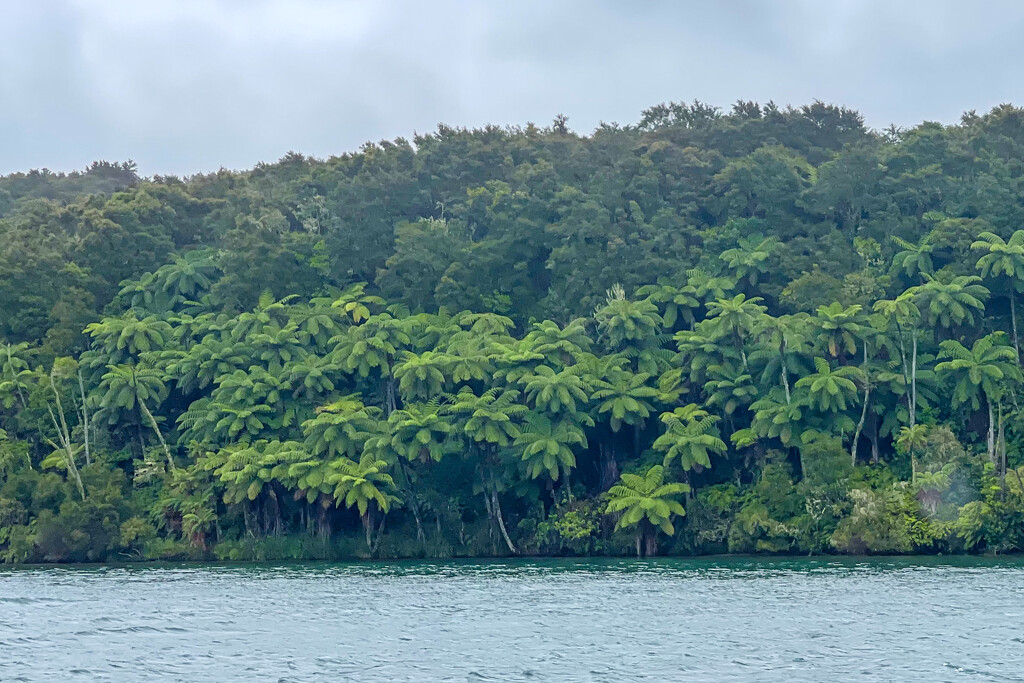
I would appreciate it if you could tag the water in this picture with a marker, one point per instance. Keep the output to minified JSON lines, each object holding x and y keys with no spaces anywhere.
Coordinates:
{"x":712,"y":619}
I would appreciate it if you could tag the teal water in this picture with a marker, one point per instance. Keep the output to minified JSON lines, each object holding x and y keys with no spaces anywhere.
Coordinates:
{"x":729,"y":619}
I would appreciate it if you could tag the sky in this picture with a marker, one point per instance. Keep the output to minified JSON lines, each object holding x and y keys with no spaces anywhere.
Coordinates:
{"x":190,"y":86}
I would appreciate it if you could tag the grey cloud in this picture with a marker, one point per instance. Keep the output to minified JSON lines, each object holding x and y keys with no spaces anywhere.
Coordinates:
{"x":192,"y":85}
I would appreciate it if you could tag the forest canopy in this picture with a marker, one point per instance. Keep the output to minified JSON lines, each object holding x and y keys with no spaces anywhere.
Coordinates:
{"x":757,"y":330}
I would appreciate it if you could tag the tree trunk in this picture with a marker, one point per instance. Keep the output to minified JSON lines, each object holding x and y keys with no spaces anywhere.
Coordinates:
{"x":785,"y":383}
{"x":391,"y":401}
{"x":324,"y":524}
{"x":380,"y":533}
{"x":1001,"y":440}
{"x":873,"y":437}
{"x":247,"y":515}
{"x":278,"y":522}
{"x":864,"y":410}
{"x":266,"y":517}
{"x":609,"y":466}
{"x":368,"y":528}
{"x":652,"y":542}
{"x":64,"y":435}
{"x":72,"y":469}
{"x":494,"y":506}
{"x":421,"y":538}
{"x":913,"y":382}
{"x":491,"y":523}
{"x":156,"y":428}
{"x":860,"y":427}
{"x":414,"y":504}
{"x":906,"y":369}
{"x":1013,"y":317}
{"x":991,"y":432}
{"x":501,"y":521}
{"x":85,"y":419}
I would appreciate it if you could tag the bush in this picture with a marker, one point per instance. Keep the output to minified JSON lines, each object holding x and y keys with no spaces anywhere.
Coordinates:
{"x":136,"y":533}
{"x":767,"y":518}
{"x":571,"y":527}
{"x":85,"y":531}
{"x":706,"y":529}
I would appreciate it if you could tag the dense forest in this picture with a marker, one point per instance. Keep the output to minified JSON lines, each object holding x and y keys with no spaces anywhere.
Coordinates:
{"x":762,"y":330}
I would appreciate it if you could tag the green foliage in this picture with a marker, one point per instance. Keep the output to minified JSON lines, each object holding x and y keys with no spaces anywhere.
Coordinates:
{"x":548,"y":445}
{"x":982,"y":370}
{"x":947,"y":300}
{"x":688,"y":438}
{"x":830,"y":390}
{"x":646,"y":502}
{"x":362,"y":483}
{"x":573,"y":526}
{"x":426,"y":348}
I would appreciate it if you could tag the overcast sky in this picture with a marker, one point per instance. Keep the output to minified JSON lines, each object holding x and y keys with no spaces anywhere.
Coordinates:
{"x":184,"y":86}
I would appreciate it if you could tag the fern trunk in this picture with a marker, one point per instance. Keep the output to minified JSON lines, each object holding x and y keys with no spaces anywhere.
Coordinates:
{"x":64,"y":435}
{"x":991,"y":440}
{"x":913,"y":382}
{"x":367,"y":519}
{"x":864,"y":410}
{"x":156,"y":428}
{"x":414,"y":504}
{"x":1001,"y":442}
{"x":85,"y":419}
{"x":609,"y":465}
{"x":1013,"y":317}
{"x":501,"y":521}
{"x":651,"y":548}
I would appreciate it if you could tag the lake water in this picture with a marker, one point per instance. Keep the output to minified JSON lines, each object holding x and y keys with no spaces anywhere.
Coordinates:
{"x":932,"y":619}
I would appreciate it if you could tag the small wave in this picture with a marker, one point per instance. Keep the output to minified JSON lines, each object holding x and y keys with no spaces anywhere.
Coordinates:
{"x":32,"y":601}
{"x":143,"y":628}
{"x":978,"y":672}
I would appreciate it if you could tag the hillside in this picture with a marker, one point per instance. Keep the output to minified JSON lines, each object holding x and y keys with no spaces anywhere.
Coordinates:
{"x":799,"y":331}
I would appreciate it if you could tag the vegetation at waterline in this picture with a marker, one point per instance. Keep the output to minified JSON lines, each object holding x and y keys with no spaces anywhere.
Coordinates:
{"x":767,"y":330}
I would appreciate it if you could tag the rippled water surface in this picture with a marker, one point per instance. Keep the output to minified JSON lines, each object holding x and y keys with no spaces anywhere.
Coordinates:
{"x":711,"y":619}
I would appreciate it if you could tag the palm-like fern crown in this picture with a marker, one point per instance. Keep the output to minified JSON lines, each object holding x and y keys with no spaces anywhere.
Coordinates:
{"x":646,"y":498}
{"x":914,"y":259}
{"x":749,"y":259}
{"x":689,"y":437}
{"x":358,"y":484}
{"x":947,"y":299}
{"x":490,"y":418}
{"x":831,"y":390}
{"x":621,"y":321}
{"x":1002,"y":258}
{"x":980,"y":371}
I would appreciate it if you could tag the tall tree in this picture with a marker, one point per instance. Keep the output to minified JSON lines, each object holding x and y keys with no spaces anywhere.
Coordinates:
{"x":689,"y":437}
{"x":127,"y":387}
{"x":648,"y":503}
{"x":1004,"y":258}
{"x":983,"y":373}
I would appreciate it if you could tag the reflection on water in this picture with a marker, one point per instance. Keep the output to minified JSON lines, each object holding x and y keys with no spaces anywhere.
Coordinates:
{"x":922,"y":619}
